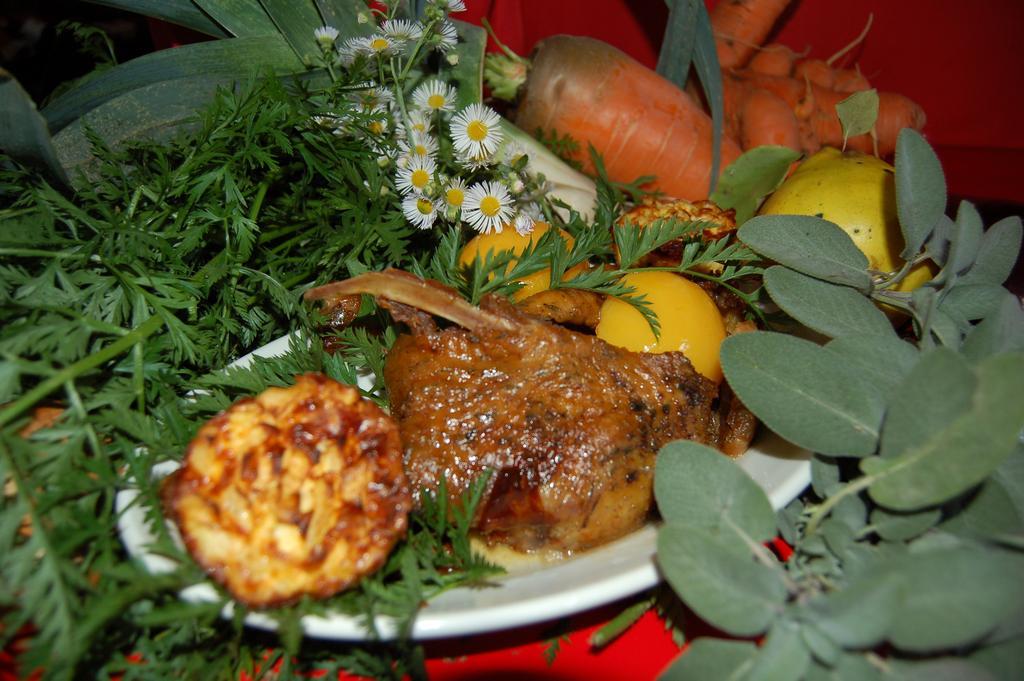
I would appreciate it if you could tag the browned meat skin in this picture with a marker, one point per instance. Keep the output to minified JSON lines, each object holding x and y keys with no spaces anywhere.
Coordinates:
{"x":575,"y":307}
{"x":569,"y":424}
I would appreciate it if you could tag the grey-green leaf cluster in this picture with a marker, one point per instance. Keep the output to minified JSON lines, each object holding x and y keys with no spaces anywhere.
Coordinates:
{"x":909,"y":546}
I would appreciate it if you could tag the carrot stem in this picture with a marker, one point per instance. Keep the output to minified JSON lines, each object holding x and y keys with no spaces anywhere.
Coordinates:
{"x":856,"y":41}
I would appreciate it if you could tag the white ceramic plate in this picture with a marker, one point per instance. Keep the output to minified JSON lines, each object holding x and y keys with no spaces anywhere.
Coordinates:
{"x":531,"y":591}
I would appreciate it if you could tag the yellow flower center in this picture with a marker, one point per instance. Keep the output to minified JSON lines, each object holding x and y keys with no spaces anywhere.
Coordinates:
{"x":379,"y":44}
{"x":377,"y":127}
{"x":420,"y":150}
{"x":490,"y":206}
{"x":424,"y":206}
{"x":476,"y":131}
{"x":419,"y":178}
{"x":455,"y":196}
{"x":435,"y":101}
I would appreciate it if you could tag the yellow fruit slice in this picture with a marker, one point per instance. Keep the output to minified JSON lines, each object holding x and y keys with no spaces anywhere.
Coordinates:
{"x":690,"y":321}
{"x":508,"y":239}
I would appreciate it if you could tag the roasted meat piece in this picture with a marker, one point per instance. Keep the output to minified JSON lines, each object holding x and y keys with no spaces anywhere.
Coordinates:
{"x":568,"y":424}
{"x":298,"y":491}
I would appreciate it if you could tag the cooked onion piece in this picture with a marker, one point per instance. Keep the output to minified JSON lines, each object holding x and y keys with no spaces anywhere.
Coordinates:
{"x":298,"y":491}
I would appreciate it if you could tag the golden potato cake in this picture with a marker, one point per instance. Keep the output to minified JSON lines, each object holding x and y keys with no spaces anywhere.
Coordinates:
{"x":297,"y":491}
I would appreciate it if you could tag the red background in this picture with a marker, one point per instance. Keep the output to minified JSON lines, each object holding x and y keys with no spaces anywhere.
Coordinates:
{"x":961,"y":61}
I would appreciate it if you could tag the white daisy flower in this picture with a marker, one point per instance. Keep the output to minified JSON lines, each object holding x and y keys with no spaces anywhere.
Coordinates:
{"x":473,"y":161}
{"x":418,"y":124}
{"x":325,"y":36}
{"x":349,"y":50}
{"x":524,"y":224}
{"x":487,"y":206}
{"x":375,"y":99}
{"x":416,"y":175}
{"x":512,"y":152}
{"x":434,"y":95}
{"x":419,"y":145}
{"x":419,"y":210}
{"x":533,"y":210}
{"x":476,"y":131}
{"x":447,"y":37}
{"x":377,"y":127}
{"x":329,"y":121}
{"x":402,"y":30}
{"x":454,"y":5}
{"x":455,"y":193}
{"x":378,"y":45}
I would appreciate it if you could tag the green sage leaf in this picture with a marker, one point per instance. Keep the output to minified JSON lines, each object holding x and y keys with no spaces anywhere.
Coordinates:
{"x":824,"y":474}
{"x":699,"y":486}
{"x":898,"y":527}
{"x":802,"y":393}
{"x":970,"y":302}
{"x":991,"y":513}
{"x":960,"y":455}
{"x":883,"y":360}
{"x":829,"y":309}
{"x":938,"y":389}
{"x":1002,"y":660}
{"x":920,"y":190}
{"x":957,"y":596}
{"x":810,"y":245}
{"x":946,"y":329}
{"x":783,"y":656}
{"x":997,"y":253}
{"x":712,"y":658}
{"x":717,"y":578}
{"x":821,"y":646}
{"x":966,"y":241}
{"x":1001,"y":331}
{"x":1010,"y":475}
{"x":946,"y":669}
{"x":859,"y":614}
{"x":858,"y":113}
{"x":751,"y":177}
{"x":846,"y":667}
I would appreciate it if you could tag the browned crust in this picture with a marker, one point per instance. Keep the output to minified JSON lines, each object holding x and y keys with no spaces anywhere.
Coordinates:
{"x":297,"y":491}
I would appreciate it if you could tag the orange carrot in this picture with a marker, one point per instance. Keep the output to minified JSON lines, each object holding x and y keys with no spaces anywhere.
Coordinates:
{"x":767,"y":119}
{"x":773,"y":60}
{"x":790,"y":90}
{"x":641,"y":123}
{"x":850,"y":80}
{"x":741,"y":26}
{"x":816,"y":71}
